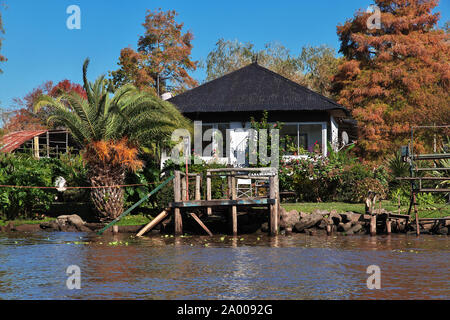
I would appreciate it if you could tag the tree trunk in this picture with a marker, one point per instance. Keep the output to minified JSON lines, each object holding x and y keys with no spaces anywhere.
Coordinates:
{"x":108,"y":201}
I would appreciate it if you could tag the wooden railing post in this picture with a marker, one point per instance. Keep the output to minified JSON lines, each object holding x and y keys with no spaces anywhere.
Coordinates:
{"x":177,"y":198}
{"x":198,"y":180}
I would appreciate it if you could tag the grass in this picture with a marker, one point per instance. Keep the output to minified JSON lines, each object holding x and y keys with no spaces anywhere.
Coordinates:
{"x":19,"y":222}
{"x":134,"y":220}
{"x":424,"y":212}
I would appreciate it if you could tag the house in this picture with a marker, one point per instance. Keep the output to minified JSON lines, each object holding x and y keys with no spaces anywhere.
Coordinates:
{"x":230,"y":101}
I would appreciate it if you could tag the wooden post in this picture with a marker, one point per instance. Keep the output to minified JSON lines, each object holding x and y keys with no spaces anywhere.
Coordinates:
{"x":388,"y":226}
{"x":153,"y":223}
{"x":48,"y":144}
{"x":273,"y":207}
{"x":208,"y":192}
{"x":328,"y":229}
{"x":373,"y":225}
{"x":177,"y":198}
{"x":234,"y":208}
{"x":36,"y":147}
{"x":417,"y":215}
{"x":198,"y":180}
{"x":183,"y":188}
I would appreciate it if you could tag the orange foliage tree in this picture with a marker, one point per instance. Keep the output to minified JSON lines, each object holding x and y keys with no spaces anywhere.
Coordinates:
{"x":162,"y":61}
{"x":24,"y":117}
{"x":395,"y":76}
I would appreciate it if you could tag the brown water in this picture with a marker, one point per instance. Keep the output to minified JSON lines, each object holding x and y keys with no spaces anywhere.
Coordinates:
{"x":33,"y":266}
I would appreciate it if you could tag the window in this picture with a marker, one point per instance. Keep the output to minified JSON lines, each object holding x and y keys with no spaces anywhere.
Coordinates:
{"x":296,"y":138}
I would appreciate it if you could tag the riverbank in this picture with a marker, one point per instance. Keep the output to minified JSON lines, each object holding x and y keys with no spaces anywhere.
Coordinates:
{"x":314,"y":222}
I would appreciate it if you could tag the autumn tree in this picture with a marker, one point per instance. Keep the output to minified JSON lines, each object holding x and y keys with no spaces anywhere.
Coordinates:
{"x":313,"y":68}
{"x":162,"y":60}
{"x":24,"y":118}
{"x":395,"y":76}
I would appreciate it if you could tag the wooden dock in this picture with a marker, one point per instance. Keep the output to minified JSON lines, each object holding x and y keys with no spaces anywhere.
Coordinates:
{"x":185,"y":203}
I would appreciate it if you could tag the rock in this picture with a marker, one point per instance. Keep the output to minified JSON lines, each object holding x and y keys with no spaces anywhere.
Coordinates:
{"x":335,"y":217}
{"x":323,"y":223}
{"x":71,"y":220}
{"x":350,"y":217}
{"x":289,"y":219}
{"x":321,"y":212}
{"x":303,"y":215}
{"x":310,"y":232}
{"x":355,"y":229}
{"x":344,"y":227}
{"x":308,"y":222}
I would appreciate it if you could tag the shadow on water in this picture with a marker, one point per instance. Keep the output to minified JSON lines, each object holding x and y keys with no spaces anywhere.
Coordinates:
{"x":33,"y":266}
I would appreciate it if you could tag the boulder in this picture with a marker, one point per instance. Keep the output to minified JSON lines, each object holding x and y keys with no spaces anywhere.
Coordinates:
{"x":335,"y":217}
{"x":350,"y":217}
{"x":442,"y":231}
{"x":323,"y":223}
{"x":355,"y":229}
{"x":288,"y":219}
{"x":321,"y":212}
{"x":344,"y":227}
{"x":73,"y":219}
{"x":308,"y":222}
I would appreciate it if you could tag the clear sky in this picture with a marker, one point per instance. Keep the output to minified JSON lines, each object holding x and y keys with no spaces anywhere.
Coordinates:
{"x":39,"y":47}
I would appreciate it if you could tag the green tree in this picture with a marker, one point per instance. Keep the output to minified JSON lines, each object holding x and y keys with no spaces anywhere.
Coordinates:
{"x":313,"y":68}
{"x":112,"y":130}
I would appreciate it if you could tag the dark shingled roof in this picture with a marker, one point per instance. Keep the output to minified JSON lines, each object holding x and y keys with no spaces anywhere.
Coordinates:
{"x":252,"y":88}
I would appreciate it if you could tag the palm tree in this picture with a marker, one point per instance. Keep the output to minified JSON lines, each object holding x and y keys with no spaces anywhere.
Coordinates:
{"x":112,"y":128}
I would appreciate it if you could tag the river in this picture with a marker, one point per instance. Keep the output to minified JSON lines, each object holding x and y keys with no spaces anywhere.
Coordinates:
{"x":33,"y":266}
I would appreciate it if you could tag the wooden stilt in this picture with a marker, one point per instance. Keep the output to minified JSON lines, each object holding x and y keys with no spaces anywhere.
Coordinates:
{"x":177,"y":197}
{"x":160,"y":217}
{"x":115,"y":229}
{"x":193,"y":215}
{"x":373,"y":225}
{"x":234,"y":208}
{"x":388,"y":226}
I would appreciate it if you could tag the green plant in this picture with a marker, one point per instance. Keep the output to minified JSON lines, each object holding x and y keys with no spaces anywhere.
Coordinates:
{"x":24,"y":171}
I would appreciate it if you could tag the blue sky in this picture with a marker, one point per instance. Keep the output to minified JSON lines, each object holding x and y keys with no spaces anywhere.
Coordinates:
{"x":39,"y":46}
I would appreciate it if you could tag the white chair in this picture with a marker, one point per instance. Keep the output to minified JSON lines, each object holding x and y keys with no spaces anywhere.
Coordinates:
{"x":244,"y":188}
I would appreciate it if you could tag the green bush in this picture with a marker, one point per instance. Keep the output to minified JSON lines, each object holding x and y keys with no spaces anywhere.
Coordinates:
{"x":24,"y":170}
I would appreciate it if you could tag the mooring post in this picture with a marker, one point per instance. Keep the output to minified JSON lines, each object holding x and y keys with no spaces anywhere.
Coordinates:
{"x":177,"y":198}
{"x":388,"y":225}
{"x":373,"y":224}
{"x":273,"y":207}
{"x":234,"y":208}
{"x":208,"y":191}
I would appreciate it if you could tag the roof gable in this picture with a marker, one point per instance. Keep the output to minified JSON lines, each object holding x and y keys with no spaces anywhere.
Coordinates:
{"x":252,"y":88}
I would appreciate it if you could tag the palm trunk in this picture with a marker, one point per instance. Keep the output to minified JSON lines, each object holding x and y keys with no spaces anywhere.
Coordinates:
{"x":108,"y":201}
